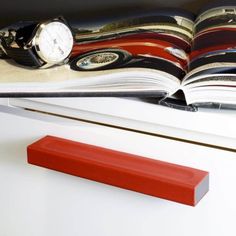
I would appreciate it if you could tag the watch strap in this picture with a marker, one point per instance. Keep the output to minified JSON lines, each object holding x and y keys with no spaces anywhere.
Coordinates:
{"x":22,"y":56}
{"x":25,"y":34}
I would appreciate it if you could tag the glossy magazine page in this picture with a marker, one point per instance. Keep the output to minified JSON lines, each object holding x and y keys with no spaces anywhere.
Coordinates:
{"x":141,"y":54}
{"x":212,"y":75}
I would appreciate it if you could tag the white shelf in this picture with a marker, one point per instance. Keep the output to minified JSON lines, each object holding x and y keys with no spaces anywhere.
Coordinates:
{"x":207,"y":126}
{"x":38,"y":201}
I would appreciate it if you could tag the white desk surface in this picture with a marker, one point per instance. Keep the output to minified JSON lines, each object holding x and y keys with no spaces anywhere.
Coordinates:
{"x":37,"y":201}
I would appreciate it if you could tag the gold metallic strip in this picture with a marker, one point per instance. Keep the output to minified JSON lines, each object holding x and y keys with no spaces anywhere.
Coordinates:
{"x":137,"y":131}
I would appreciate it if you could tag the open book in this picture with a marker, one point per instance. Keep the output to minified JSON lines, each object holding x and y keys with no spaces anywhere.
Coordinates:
{"x":167,"y":54}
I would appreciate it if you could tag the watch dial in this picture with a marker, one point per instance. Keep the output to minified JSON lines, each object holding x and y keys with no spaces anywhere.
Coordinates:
{"x":55,"y":42}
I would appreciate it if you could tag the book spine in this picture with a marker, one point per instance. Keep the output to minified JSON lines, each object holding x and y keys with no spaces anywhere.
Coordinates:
{"x":157,"y":178}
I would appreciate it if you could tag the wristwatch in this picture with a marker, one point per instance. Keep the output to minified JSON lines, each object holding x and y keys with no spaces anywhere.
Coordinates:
{"x":40,"y":45}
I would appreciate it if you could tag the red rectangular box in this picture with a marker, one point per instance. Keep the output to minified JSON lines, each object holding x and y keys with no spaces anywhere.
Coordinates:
{"x":157,"y":178}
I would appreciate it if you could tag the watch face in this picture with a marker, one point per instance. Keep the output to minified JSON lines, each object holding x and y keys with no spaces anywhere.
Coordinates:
{"x":54,"y":42}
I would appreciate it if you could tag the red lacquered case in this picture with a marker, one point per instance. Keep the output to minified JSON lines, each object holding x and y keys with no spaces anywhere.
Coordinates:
{"x":157,"y":178}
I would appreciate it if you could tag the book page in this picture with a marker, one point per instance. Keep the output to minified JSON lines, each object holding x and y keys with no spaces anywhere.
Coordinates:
{"x":212,"y":68}
{"x":15,"y":80}
{"x":154,"y":44}
{"x":158,"y":39}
